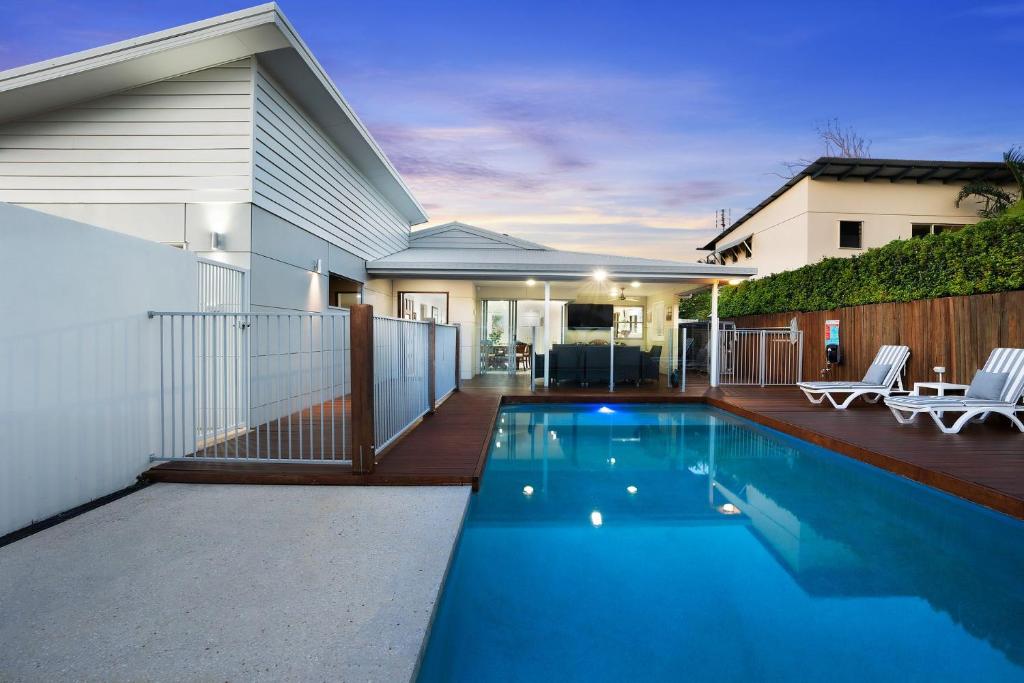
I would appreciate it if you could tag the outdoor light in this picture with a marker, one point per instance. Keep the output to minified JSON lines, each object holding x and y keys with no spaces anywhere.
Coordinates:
{"x":531,"y":282}
{"x":735,"y":281}
{"x":631,"y":489}
{"x":729,"y":509}
{"x":527,"y":490}
{"x":216,"y":241}
{"x":634,"y":284}
{"x":596,"y":519}
{"x":600,"y":275}
{"x":318,"y":266}
{"x":939,"y":370}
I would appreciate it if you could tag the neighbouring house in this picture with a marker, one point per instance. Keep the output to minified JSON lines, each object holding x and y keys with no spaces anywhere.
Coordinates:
{"x":839,"y":207}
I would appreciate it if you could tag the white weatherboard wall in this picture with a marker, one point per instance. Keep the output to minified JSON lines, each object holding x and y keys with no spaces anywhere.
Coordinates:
{"x":302,"y":177}
{"x":135,"y":161}
{"x":79,"y":384}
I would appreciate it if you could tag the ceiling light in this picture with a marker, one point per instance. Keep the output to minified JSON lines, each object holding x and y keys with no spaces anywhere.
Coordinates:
{"x":634,"y":284}
{"x":531,"y":282}
{"x":631,"y":489}
{"x":600,"y":275}
{"x":735,"y":281}
{"x":527,"y":490}
{"x":596,"y":518}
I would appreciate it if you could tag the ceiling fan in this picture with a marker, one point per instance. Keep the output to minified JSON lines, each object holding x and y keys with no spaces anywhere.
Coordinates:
{"x":619,"y":294}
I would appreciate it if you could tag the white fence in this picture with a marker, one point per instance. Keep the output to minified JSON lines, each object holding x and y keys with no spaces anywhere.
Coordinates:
{"x":760,"y":357}
{"x":255,"y":386}
{"x":401,"y":367}
{"x":445,"y":372}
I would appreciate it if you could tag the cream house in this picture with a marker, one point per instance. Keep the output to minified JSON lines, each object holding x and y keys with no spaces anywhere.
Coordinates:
{"x":840,"y":207}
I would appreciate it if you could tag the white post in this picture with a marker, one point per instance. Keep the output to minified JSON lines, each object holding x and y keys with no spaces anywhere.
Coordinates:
{"x":715,"y":346}
{"x":611,"y":359}
{"x":547,"y":333}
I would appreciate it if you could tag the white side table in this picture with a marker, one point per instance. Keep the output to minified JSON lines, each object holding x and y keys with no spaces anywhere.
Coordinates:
{"x":940,"y":387}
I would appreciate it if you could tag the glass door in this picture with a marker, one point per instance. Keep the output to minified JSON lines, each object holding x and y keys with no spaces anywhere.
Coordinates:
{"x":497,"y":342}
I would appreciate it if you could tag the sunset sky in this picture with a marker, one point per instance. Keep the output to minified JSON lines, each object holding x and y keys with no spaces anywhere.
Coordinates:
{"x":620,"y":126}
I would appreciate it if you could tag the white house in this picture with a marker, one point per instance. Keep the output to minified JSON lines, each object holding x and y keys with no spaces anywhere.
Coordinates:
{"x":838,"y":207}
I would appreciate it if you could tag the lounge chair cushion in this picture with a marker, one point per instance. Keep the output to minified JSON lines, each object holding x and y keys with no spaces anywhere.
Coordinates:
{"x":987,"y":385}
{"x":876,"y":373}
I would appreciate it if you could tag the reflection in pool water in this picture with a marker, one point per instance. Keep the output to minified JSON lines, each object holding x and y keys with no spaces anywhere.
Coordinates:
{"x":678,"y":543}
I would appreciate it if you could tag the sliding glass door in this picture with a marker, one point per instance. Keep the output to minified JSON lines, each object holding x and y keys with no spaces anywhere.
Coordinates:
{"x":512,"y":330}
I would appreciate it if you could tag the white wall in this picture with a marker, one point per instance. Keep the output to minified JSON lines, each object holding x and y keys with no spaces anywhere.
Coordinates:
{"x":79,"y":381}
{"x":302,"y":177}
{"x":132,"y":162}
{"x":462,"y":310}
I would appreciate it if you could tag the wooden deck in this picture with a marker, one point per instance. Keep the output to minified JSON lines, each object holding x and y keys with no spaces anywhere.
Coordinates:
{"x":984,"y":464}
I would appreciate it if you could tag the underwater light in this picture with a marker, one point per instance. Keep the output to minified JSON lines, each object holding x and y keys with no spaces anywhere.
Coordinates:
{"x":729,"y":509}
{"x":631,"y":489}
{"x":527,"y":490}
{"x":611,"y":461}
{"x":596,"y":518}
{"x":605,"y":410}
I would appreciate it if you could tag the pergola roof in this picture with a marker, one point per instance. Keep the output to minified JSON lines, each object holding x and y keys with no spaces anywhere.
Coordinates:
{"x":893,"y":170}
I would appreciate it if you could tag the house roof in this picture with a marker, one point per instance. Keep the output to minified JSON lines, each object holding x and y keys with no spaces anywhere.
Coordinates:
{"x":509,"y":258}
{"x":262,"y":30}
{"x":467,"y":236}
{"x":893,"y":170}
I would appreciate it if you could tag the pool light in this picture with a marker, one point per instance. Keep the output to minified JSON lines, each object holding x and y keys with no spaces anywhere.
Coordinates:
{"x":527,"y":490}
{"x":497,"y":444}
{"x":554,"y":435}
{"x":611,"y":461}
{"x":596,"y":518}
{"x":631,"y":490}
{"x":729,"y":509}
{"x":605,"y":410}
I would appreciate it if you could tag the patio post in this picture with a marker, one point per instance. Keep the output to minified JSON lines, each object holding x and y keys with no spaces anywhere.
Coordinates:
{"x":547,"y":333}
{"x":361,"y":401}
{"x":713,"y":336}
{"x":431,"y":367}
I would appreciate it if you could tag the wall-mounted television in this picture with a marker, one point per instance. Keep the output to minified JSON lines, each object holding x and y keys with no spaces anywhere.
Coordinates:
{"x":588,"y":316}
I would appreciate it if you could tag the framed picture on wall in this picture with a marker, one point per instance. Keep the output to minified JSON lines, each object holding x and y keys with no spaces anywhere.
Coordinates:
{"x":658,"y":312}
{"x":435,"y":314}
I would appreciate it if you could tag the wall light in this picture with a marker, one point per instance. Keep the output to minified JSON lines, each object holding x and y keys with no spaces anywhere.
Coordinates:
{"x":216,"y":241}
{"x":531,"y":282}
{"x":318,"y":266}
{"x":600,"y":275}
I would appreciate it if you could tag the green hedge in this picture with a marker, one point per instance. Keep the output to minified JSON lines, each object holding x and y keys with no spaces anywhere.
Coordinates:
{"x":985,"y":257}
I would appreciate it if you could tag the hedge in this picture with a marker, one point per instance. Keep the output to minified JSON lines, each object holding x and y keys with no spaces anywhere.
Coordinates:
{"x":985,"y":257}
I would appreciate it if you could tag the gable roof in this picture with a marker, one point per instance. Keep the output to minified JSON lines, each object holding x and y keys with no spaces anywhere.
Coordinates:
{"x":893,"y":170}
{"x":262,"y":30}
{"x":460,"y":251}
{"x":464,"y":236}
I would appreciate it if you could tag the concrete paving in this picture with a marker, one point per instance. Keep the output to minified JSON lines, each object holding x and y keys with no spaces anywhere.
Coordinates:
{"x":183,"y":582}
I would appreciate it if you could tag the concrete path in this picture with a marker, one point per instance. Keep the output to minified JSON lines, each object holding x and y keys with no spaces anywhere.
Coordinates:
{"x":183,"y":582}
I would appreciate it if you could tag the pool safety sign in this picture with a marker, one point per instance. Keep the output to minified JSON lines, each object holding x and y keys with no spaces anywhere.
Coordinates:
{"x":832,"y":352}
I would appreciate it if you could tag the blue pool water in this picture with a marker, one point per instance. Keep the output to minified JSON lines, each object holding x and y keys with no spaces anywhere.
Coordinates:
{"x":674,"y":543}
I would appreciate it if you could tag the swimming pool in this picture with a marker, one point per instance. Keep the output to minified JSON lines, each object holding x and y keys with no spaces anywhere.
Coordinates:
{"x":624,"y":543}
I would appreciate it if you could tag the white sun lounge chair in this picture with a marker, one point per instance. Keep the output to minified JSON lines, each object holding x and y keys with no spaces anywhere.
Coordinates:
{"x":970,"y":408}
{"x":871,"y":388}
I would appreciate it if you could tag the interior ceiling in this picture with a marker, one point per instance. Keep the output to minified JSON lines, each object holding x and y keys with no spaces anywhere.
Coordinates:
{"x":584,"y":291}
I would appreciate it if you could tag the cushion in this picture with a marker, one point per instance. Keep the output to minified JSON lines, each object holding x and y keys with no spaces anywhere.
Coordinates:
{"x":987,"y":385}
{"x":876,"y":373}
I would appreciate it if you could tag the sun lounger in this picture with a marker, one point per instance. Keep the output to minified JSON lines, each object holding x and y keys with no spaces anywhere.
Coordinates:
{"x":878,"y":382}
{"x":997,"y":389}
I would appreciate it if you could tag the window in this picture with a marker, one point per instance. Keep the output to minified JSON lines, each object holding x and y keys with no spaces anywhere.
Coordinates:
{"x":344,"y":292}
{"x":849,"y":234}
{"x":922,"y":229}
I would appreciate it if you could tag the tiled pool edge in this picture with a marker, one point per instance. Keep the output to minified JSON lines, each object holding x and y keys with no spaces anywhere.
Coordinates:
{"x":941,"y":481}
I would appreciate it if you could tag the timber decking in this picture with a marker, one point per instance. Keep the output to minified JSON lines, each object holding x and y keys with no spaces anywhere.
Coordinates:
{"x":983,"y":464}
{"x":448,"y":447}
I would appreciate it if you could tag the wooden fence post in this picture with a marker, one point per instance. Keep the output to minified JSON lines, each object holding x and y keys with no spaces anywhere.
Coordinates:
{"x":361,"y":344}
{"x":431,"y":367}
